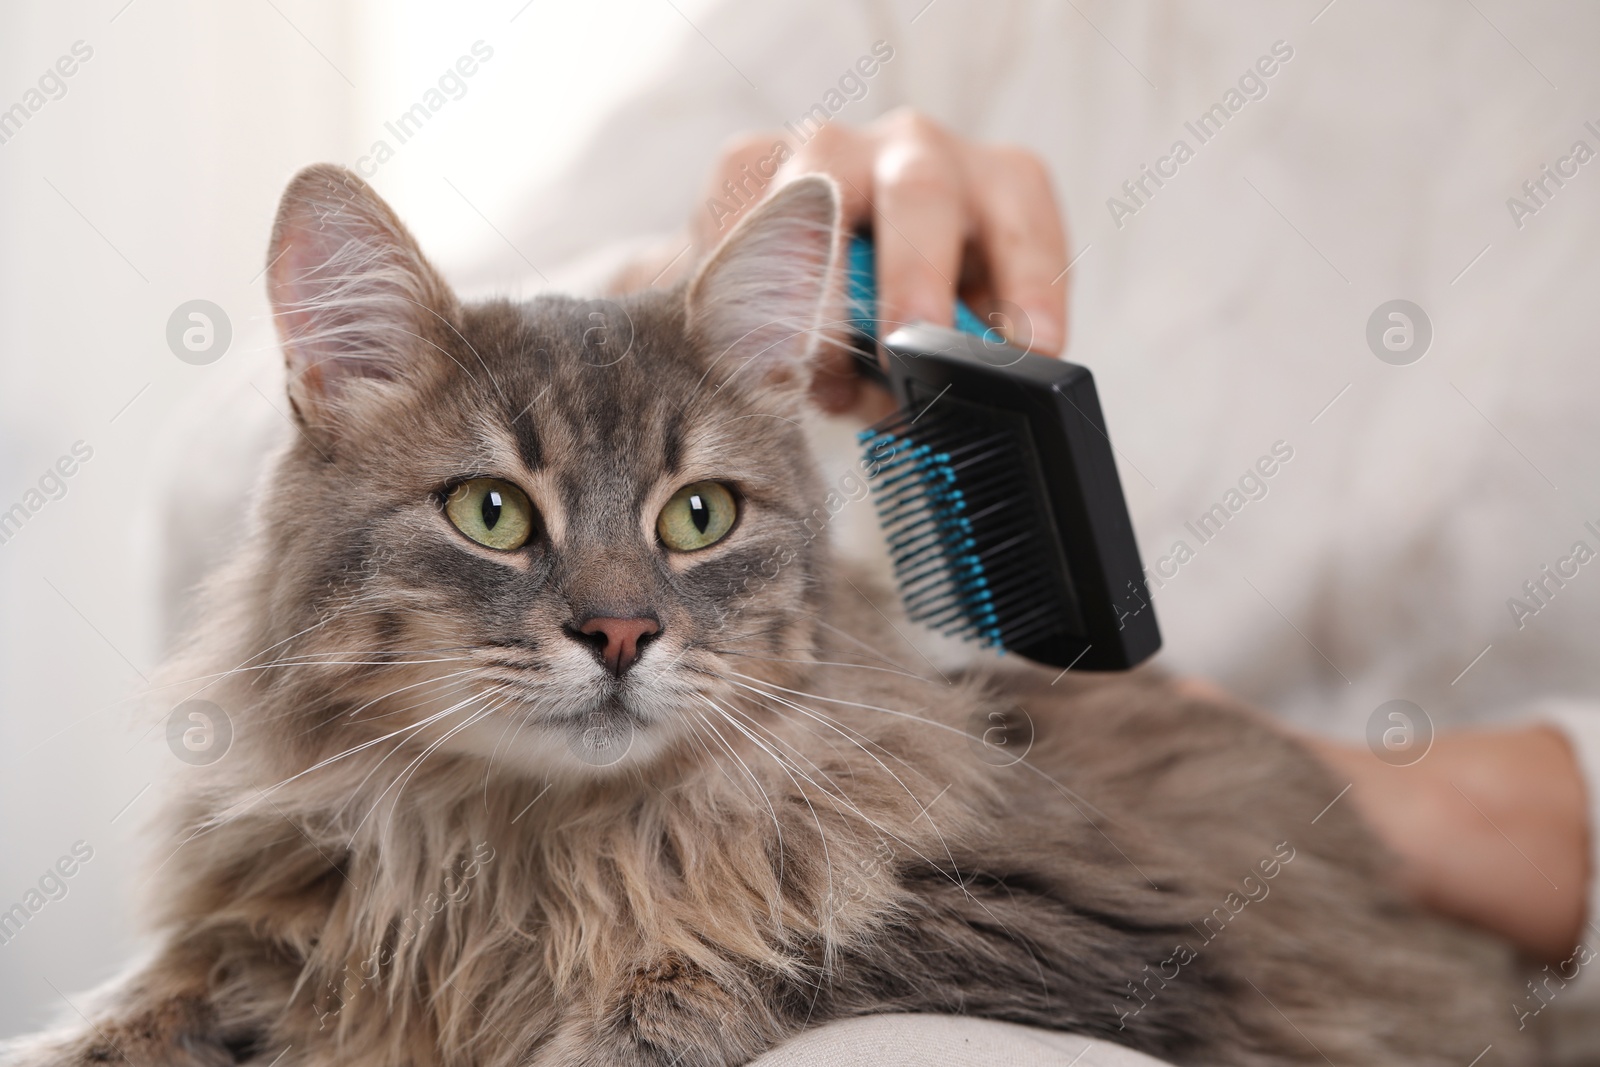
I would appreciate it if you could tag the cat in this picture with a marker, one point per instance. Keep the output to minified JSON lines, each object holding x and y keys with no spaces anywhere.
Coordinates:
{"x":559,"y":739}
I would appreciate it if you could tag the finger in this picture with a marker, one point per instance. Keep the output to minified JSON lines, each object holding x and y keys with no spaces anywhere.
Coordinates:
{"x":1198,"y":688}
{"x":919,"y":224}
{"x":845,"y":155}
{"x":835,"y":391}
{"x":1023,"y":242}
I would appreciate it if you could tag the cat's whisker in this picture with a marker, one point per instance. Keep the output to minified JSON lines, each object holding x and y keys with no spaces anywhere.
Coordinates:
{"x":755,"y":685}
{"x":335,"y":612}
{"x":416,"y":765}
{"x":423,"y":697}
{"x":398,"y":661}
{"x":827,"y":720}
{"x":777,"y":825}
{"x":312,"y":727}
{"x":824,"y":649}
{"x":875,"y":652}
{"x":529,"y":713}
{"x":244,"y":664}
{"x":700,"y":734}
{"x":338,"y":610}
{"x":780,"y":622}
{"x":354,"y":750}
{"x":438,"y":679}
{"x":1067,"y":792}
{"x":761,"y":789}
{"x":830,"y":738}
{"x":403,"y":734}
{"x":771,"y":742}
{"x":380,"y":654}
{"x":817,"y":662}
{"x":364,"y":745}
{"x":1077,"y":801}
{"x":841,"y":796}
{"x":370,"y":743}
{"x":953,"y":874}
{"x":783,"y":765}
{"x":773,"y":737}
{"x":416,"y":762}
{"x":512,"y":724}
{"x":416,"y":727}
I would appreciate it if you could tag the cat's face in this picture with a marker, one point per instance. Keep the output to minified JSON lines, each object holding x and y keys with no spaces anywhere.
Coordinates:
{"x":554,"y":534}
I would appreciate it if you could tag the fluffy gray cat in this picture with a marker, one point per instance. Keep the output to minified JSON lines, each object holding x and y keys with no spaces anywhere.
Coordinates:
{"x":560,"y":740}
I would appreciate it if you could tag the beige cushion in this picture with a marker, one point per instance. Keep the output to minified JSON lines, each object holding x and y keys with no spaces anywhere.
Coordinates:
{"x":945,"y":1040}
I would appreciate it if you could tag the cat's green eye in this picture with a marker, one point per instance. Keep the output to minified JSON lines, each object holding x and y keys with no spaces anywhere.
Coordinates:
{"x":493,"y":513}
{"x":698,"y":515}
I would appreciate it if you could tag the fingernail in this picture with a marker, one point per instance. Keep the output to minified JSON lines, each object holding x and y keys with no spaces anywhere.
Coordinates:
{"x":940,"y":314}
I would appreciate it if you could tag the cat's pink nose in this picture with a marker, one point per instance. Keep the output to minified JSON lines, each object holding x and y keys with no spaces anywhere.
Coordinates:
{"x":619,"y":641}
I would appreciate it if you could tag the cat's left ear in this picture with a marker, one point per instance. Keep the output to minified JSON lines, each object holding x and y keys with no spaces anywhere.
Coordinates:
{"x":357,"y":305}
{"x":760,"y":302}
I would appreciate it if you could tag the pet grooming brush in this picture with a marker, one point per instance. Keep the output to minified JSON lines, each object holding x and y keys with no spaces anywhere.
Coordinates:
{"x":998,"y":492}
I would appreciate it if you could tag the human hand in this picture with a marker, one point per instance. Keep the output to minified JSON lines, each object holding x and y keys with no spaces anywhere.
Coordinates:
{"x":1490,"y":827}
{"x":948,"y":216}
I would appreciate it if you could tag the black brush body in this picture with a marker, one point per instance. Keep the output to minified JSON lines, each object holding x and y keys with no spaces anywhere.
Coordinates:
{"x":998,"y":491}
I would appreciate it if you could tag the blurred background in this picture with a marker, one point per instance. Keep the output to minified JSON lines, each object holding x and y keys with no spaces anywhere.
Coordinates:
{"x":1225,"y":314}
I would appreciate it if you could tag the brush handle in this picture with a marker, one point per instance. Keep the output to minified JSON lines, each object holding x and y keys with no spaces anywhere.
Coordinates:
{"x":861,"y":296}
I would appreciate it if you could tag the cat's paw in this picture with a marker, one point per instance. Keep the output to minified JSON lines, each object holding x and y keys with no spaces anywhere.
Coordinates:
{"x":177,"y":1033}
{"x":668,"y":1013}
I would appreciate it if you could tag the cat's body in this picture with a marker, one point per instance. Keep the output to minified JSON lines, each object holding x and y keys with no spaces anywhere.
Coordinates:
{"x":448,"y":835}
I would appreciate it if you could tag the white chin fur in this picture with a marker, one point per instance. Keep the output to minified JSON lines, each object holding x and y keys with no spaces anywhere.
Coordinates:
{"x":584,"y":726}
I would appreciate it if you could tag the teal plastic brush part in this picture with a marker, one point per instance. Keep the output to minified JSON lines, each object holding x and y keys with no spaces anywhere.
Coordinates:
{"x":997,"y":491}
{"x":861,"y":291}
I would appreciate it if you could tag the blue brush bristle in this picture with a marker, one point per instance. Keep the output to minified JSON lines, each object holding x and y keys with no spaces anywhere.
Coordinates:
{"x":930,"y":537}
{"x":958,"y":490}
{"x":965,"y":528}
{"x":860,"y":276}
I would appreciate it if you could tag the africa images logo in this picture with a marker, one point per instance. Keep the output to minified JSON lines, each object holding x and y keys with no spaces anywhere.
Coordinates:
{"x":1252,"y":85}
{"x":50,"y":887}
{"x":51,"y":485}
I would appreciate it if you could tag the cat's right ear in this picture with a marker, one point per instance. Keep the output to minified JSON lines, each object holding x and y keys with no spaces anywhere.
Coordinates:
{"x":357,"y":306}
{"x":761,"y":303}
